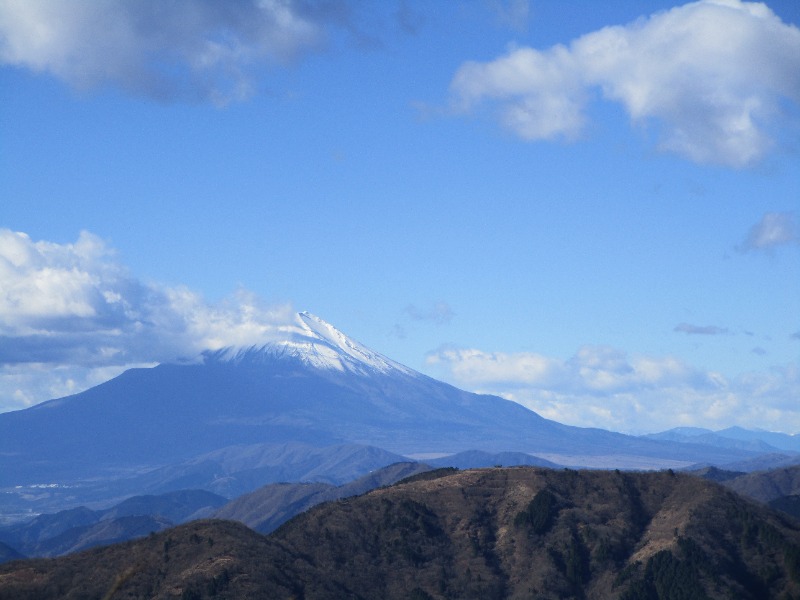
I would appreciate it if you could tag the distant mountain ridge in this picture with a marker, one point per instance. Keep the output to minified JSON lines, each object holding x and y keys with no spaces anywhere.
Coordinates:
{"x":732,"y":437}
{"x":80,"y":528}
{"x":473,"y":459}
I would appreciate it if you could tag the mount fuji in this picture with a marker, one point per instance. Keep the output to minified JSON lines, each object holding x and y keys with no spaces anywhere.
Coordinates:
{"x":311,"y":387}
{"x":317,"y":344}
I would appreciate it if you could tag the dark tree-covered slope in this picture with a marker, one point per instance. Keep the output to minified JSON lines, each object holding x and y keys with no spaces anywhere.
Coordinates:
{"x":490,"y":533}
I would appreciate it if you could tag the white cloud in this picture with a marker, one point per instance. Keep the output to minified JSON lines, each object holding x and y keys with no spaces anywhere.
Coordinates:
{"x":604,"y":387}
{"x":541,"y":94}
{"x":476,"y":368}
{"x":70,"y":314}
{"x":713,"y":78}
{"x":191,"y":50}
{"x":773,"y":230}
{"x":23,"y":385}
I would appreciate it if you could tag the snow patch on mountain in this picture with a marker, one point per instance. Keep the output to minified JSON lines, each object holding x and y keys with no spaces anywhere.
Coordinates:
{"x":318,"y":344}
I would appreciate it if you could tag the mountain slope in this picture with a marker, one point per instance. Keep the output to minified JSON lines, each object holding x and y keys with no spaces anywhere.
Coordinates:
{"x":278,"y":393}
{"x":7,"y":553}
{"x":230,"y":472}
{"x":235,"y":470}
{"x":272,"y":505}
{"x":766,"y":486}
{"x":492,"y":533}
{"x":540,"y":533}
{"x":315,"y":386}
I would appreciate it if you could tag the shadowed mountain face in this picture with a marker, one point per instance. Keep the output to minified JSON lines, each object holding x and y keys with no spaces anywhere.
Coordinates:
{"x":315,"y":387}
{"x":272,"y":505}
{"x":768,"y":485}
{"x":779,"y":488}
{"x":490,"y":533}
{"x":7,"y":553}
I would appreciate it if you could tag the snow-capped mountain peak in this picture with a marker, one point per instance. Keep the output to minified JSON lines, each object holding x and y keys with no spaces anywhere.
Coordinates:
{"x":318,"y":344}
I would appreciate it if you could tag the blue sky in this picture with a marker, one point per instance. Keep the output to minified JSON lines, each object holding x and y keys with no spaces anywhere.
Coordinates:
{"x":590,"y":208}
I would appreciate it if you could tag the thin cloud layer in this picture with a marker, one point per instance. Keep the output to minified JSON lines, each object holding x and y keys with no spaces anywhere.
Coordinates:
{"x":511,"y":13}
{"x":690,"y":329}
{"x":773,"y":230}
{"x":70,"y":312}
{"x":189,"y":50}
{"x":714,"y":79}
{"x":439,"y":313}
{"x":604,"y":387}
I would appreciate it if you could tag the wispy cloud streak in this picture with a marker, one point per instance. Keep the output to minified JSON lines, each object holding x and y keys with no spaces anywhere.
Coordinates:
{"x":773,"y":230}
{"x":689,"y":329}
{"x":439,"y":313}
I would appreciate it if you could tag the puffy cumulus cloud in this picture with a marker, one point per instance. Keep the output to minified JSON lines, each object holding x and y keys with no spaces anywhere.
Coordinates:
{"x":715,"y":78}
{"x":476,"y":368}
{"x":191,"y":50}
{"x":70,"y":314}
{"x":540,"y":94}
{"x":773,"y":230}
{"x":593,"y":369}
{"x":46,"y":284}
{"x":604,"y":387}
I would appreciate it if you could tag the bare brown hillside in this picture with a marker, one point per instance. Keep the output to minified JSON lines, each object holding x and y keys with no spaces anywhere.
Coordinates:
{"x":489,"y":533}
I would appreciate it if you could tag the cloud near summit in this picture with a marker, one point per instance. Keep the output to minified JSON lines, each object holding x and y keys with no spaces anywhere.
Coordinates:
{"x":71,"y":312}
{"x":714,"y":79}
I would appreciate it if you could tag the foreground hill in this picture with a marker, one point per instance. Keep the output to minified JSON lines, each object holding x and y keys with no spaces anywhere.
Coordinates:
{"x":491,"y":533}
